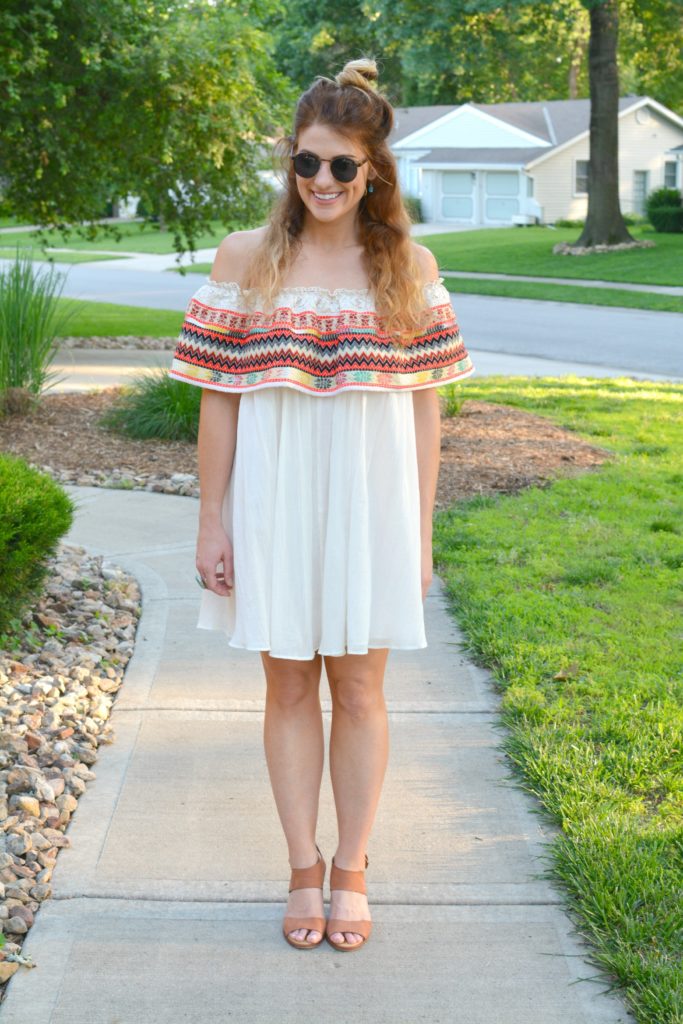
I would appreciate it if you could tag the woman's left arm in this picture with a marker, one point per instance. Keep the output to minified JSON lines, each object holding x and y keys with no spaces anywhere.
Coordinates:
{"x":427,"y":413}
{"x":428,"y":442}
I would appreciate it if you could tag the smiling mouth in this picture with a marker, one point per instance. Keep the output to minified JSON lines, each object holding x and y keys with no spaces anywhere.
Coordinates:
{"x":327,"y":197}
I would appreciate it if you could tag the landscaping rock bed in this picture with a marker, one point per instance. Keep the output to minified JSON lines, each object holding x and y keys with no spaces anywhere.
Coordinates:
{"x":56,"y":693}
{"x":566,"y":249}
{"x":124,"y":341}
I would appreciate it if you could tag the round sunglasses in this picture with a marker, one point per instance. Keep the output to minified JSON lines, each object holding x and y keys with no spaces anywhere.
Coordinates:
{"x":344,"y":168}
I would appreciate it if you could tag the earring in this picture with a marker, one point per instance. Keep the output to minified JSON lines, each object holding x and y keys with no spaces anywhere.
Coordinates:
{"x":370,"y":188}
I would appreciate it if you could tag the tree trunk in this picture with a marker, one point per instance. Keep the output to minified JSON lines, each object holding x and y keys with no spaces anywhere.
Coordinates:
{"x":604,"y":222}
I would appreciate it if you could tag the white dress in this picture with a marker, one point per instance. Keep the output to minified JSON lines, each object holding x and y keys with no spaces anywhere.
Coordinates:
{"x":324,"y":516}
{"x":322,"y":507}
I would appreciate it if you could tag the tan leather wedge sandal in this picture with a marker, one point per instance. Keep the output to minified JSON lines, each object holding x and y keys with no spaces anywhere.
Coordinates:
{"x":350,"y":881}
{"x":306,"y":878}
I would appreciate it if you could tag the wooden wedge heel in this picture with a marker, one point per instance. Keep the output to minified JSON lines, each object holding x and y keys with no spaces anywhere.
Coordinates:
{"x":349,"y":881}
{"x":306,"y":878}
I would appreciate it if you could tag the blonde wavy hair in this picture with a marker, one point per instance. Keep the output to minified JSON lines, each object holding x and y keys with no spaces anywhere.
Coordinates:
{"x":352,"y":105}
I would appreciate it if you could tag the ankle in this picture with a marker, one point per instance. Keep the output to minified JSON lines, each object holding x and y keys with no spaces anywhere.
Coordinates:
{"x":303,"y":857}
{"x":356,"y":862}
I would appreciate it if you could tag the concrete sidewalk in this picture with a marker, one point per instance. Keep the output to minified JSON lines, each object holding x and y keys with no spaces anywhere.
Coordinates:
{"x":168,"y":905}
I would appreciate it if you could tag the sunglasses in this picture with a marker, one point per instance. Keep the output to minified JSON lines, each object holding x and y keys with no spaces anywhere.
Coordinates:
{"x":344,"y":168}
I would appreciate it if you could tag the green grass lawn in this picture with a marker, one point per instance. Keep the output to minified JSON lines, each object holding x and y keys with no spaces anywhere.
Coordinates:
{"x":529,"y":251}
{"x":566,"y":293}
{"x":98,"y":319}
{"x":55,"y":257}
{"x":136,"y":237}
{"x":571,"y":594}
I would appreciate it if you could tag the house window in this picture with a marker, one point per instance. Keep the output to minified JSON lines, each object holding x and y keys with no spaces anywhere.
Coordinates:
{"x":581,"y":178}
{"x":640,"y":189}
{"x":670,"y":174}
{"x":529,"y":187}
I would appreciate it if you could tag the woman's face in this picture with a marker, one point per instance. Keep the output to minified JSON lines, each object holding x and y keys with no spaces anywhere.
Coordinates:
{"x":326,"y":198}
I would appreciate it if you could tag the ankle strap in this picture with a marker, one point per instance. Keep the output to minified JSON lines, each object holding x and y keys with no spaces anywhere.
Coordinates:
{"x":308,"y":878}
{"x":350,"y":881}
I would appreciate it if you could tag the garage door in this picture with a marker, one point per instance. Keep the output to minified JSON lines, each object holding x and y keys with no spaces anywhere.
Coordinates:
{"x":502,"y":196}
{"x":457,"y":195}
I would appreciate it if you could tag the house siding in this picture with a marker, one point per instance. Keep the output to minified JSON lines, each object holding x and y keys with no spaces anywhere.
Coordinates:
{"x":642,"y":147}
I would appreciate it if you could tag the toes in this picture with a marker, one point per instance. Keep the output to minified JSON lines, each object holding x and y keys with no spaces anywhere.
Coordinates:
{"x":350,"y":938}
{"x":303,"y":935}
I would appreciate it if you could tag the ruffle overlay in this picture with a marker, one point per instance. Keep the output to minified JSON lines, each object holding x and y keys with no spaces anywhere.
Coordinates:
{"x":317,"y":340}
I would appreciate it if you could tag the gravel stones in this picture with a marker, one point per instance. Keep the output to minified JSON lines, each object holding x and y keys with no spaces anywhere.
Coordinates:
{"x":124,"y":341}
{"x":178,"y":483}
{"x":566,"y":249}
{"x":57,"y":687}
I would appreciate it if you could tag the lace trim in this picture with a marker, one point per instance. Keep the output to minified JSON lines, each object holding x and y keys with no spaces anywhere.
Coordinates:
{"x":300,"y":298}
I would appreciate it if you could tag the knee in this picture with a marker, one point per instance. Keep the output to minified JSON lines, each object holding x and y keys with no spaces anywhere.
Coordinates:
{"x":292,"y":689}
{"x":357,"y":696}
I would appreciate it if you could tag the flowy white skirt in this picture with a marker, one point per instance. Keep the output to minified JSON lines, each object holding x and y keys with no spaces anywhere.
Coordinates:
{"x":323,"y":512}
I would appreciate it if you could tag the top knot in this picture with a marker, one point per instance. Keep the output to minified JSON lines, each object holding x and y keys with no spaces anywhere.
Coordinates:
{"x":362,"y":74}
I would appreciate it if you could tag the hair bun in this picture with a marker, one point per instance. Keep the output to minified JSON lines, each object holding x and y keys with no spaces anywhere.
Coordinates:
{"x":362,"y":73}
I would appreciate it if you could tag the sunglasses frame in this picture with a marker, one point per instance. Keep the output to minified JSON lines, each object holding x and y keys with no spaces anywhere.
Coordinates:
{"x":330,"y":161}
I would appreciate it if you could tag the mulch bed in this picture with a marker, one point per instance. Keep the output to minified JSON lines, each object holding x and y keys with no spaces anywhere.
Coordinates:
{"x":487,"y":449}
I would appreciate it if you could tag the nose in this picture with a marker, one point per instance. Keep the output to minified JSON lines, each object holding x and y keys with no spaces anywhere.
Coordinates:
{"x":324,"y":179}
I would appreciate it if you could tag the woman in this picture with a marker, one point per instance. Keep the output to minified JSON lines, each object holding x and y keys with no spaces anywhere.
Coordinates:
{"x":320,"y":339}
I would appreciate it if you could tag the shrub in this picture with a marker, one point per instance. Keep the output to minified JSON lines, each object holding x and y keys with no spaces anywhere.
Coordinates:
{"x":30,"y":320}
{"x":156,"y":405}
{"x":34,"y":513}
{"x":667,"y":219}
{"x":664,"y":208}
{"x":663,"y":197}
{"x":413,"y":205}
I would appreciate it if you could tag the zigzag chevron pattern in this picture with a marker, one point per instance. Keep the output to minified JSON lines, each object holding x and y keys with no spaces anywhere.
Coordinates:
{"x":315,"y":340}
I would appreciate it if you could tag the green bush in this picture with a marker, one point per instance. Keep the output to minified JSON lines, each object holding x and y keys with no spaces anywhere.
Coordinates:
{"x":667,"y":219}
{"x":663,"y":197}
{"x":31,"y":317}
{"x":34,"y":513}
{"x":156,"y":405}
{"x":563,"y":222}
{"x":664,"y":207}
{"x":413,"y":205}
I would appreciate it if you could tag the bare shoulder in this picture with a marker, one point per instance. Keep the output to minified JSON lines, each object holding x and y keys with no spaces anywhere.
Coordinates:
{"x":426,"y":261}
{"x":234,"y":253}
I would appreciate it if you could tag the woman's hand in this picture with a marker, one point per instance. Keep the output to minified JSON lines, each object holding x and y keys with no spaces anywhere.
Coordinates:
{"x":427,"y":565}
{"x":214,"y":547}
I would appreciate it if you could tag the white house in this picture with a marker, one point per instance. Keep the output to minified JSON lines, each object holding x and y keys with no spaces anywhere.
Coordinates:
{"x":524,"y":163}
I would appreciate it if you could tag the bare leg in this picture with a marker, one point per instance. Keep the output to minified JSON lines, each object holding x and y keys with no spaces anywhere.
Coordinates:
{"x":359,"y":750}
{"x":294,"y":746}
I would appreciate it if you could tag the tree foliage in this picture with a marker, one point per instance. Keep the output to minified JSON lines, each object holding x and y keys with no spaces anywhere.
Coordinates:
{"x":484,"y":51}
{"x":165,"y":100}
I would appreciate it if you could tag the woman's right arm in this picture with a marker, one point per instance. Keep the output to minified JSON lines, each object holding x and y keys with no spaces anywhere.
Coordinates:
{"x":218,"y":414}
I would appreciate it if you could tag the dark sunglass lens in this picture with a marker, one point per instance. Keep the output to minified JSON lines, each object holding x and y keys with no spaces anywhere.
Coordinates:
{"x":306,"y":165}
{"x":343,"y":168}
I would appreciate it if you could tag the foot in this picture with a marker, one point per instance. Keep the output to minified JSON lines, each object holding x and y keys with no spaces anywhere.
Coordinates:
{"x":306,"y":903}
{"x":349,"y":906}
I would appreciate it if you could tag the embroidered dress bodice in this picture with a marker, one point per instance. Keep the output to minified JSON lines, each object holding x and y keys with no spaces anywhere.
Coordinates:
{"x":316,"y":340}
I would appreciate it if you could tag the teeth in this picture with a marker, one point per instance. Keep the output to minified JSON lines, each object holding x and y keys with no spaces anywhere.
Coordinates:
{"x":326,"y":196}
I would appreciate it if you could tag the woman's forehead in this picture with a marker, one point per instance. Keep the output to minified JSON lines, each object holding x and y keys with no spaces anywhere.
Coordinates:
{"x":321,"y":138}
